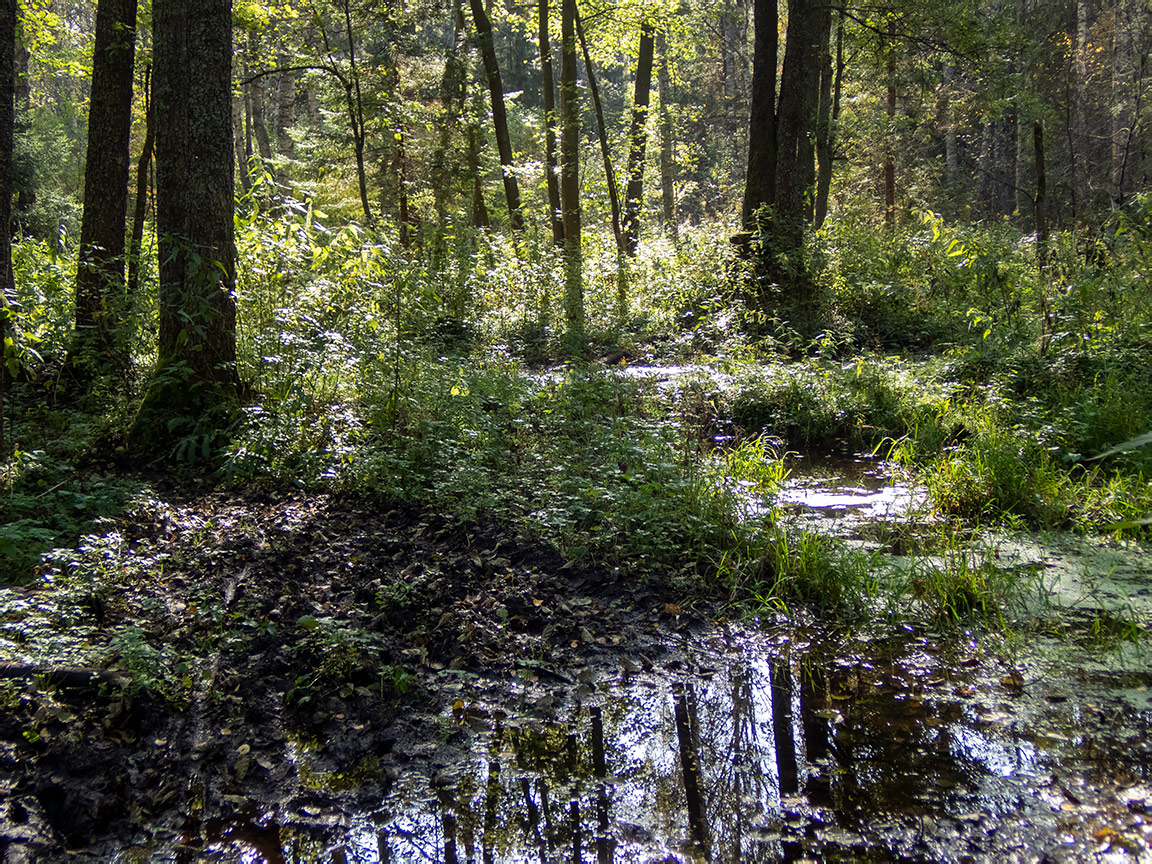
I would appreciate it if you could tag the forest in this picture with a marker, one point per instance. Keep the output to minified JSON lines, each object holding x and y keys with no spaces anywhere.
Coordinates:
{"x":590,"y":430}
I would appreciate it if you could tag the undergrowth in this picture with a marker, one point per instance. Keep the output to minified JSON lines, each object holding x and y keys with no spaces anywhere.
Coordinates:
{"x":433,"y":374}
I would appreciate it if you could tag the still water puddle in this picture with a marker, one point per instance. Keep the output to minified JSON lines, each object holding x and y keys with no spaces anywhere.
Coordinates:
{"x":775,"y":753}
{"x":855,"y":488}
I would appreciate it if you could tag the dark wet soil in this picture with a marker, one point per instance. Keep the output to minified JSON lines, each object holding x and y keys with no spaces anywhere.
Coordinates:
{"x":286,"y":624}
{"x":339,"y":678}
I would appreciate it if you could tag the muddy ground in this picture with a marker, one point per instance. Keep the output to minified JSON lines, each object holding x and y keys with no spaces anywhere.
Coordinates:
{"x":281,"y":673}
{"x":289,"y":622}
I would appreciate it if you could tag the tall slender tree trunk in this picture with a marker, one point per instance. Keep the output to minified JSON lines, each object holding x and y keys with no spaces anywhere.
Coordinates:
{"x":452,"y":94}
{"x":667,"y":164}
{"x":1039,"y":205}
{"x":238,"y":136}
{"x":480,"y":218}
{"x":1081,"y":161}
{"x":136,"y":244}
{"x":555,"y":211}
{"x":830,"y":83}
{"x":285,"y":117}
{"x":9,"y":15}
{"x":196,"y":362}
{"x":570,"y":183}
{"x":407,"y":227}
{"x":634,"y":197}
{"x":355,"y":101}
{"x":602,"y":132}
{"x":760,"y":185}
{"x":1123,"y":118}
{"x":499,"y":114}
{"x":890,"y":134}
{"x":951,"y":129}
{"x":258,"y":101}
{"x":100,"y":270}
{"x":1041,"y":215}
{"x":987,"y":183}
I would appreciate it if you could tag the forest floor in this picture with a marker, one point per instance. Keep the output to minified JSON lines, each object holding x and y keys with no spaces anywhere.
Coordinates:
{"x":290,"y":622}
{"x":283,"y":668}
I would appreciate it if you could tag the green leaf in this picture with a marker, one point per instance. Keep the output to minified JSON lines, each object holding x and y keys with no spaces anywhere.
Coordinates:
{"x":1132,"y":444}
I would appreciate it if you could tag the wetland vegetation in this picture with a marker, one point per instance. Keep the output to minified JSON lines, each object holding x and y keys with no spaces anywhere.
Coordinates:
{"x":388,"y":528}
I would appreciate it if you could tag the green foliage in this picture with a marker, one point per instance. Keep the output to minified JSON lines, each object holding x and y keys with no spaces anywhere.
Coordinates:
{"x":339,"y":657}
{"x":965,"y":584}
{"x":809,"y":568}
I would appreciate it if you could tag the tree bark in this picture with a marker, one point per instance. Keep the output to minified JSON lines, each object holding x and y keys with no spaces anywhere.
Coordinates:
{"x":634,"y":197}
{"x":135,"y":245}
{"x":808,"y":23}
{"x":355,"y":99}
{"x":602,"y":131}
{"x":238,"y":135}
{"x":196,"y":363}
{"x":285,"y":117}
{"x":667,"y":165}
{"x":452,"y":91}
{"x":570,"y":182}
{"x":951,"y":130}
{"x":831,"y":78}
{"x":555,"y":211}
{"x":1039,"y":204}
{"x":9,"y":14}
{"x":258,"y":101}
{"x":100,"y":270}
{"x":1081,"y":158}
{"x":499,"y":113}
{"x":760,"y":185}
{"x":480,"y":217}
{"x":890,"y":133}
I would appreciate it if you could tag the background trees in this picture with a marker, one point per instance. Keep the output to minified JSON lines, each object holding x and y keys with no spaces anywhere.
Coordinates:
{"x":409,"y":119}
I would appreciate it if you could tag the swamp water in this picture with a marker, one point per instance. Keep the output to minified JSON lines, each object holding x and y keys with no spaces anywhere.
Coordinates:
{"x":761,"y":745}
{"x":857,"y":750}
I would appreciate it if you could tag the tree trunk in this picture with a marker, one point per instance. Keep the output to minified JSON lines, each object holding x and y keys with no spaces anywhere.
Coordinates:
{"x":238,"y":135}
{"x":890,"y":134}
{"x":760,"y":185}
{"x":100,"y":270}
{"x":1123,"y":117}
{"x":831,"y":78}
{"x":602,"y":131}
{"x":135,"y":246}
{"x":808,"y":23}
{"x":634,"y":197}
{"x":1038,"y":206}
{"x":452,"y":91}
{"x":951,"y":122}
{"x":196,"y":363}
{"x":1081,"y":164}
{"x":786,"y":259}
{"x":555,"y":211}
{"x":667,"y":166}
{"x":570,"y":183}
{"x":9,"y":14}
{"x":1041,"y":216}
{"x":499,"y":114}
{"x":355,"y":100}
{"x":479,"y":208}
{"x":285,"y":117}
{"x":259,"y":104}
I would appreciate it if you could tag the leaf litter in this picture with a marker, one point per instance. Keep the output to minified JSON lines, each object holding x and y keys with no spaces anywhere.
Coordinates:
{"x":289,"y":666}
